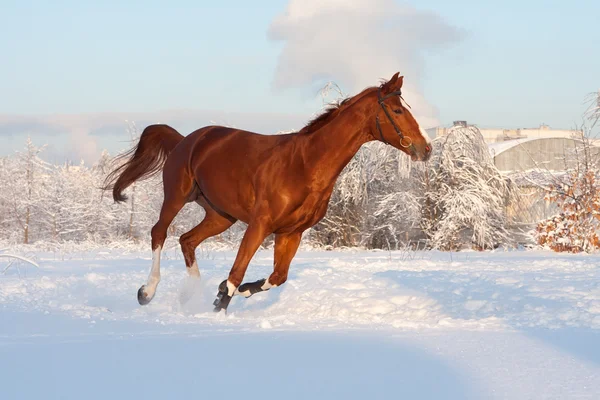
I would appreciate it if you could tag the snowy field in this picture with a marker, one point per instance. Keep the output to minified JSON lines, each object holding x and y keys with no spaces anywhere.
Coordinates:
{"x":346,"y":325}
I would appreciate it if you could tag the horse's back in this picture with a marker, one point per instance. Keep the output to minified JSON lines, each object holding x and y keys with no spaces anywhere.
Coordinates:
{"x":226,"y":164}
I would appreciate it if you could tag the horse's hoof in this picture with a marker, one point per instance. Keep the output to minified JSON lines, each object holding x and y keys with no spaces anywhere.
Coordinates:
{"x":223,"y":298}
{"x":218,"y":310}
{"x":142,"y":297}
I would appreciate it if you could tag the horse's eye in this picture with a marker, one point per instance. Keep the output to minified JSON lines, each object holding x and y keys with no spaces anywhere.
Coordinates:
{"x":398,"y":111}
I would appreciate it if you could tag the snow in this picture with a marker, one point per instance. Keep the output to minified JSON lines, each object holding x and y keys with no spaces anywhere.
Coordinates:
{"x":347,"y":324}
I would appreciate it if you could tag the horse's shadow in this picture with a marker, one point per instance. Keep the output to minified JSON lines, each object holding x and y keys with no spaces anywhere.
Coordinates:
{"x":258,"y":302}
{"x":523,"y":304}
{"x":465,"y":297}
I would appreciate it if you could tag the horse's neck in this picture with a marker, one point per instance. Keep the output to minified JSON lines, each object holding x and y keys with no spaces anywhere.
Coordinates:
{"x":330,"y":149}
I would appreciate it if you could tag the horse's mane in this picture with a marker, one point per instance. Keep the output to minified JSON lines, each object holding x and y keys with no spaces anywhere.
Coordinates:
{"x":330,"y":113}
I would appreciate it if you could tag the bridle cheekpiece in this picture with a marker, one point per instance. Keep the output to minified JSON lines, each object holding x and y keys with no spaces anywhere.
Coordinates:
{"x":405,"y":141}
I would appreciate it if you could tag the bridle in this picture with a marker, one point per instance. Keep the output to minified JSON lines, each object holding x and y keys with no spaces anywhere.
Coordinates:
{"x":405,"y":141}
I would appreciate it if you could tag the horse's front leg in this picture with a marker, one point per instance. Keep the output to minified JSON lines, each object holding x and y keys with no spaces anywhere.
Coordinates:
{"x":286,"y":246}
{"x":253,"y":237}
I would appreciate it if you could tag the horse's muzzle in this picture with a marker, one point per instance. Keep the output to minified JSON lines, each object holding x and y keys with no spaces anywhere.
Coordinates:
{"x":423,"y":155}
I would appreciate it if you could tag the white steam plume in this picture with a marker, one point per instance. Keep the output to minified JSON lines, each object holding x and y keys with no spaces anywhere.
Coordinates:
{"x":356,"y":42}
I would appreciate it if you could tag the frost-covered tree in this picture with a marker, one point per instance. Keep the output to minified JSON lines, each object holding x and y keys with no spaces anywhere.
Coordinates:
{"x":464,"y":195}
{"x":63,"y":203}
{"x":55,"y":215}
{"x":395,"y":221}
{"x":6,"y":218}
{"x":576,"y":227}
{"x":22,"y":189}
{"x":593,"y":111}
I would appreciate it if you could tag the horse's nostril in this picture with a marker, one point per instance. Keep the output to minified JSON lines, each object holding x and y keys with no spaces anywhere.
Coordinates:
{"x":428,"y":148}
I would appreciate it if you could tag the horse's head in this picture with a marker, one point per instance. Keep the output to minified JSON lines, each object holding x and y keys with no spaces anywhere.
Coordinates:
{"x":395,"y":125}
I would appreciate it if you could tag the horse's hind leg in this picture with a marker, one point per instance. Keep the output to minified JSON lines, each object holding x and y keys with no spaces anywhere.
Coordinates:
{"x":176,"y":194}
{"x":213,"y":223}
{"x":286,"y":246}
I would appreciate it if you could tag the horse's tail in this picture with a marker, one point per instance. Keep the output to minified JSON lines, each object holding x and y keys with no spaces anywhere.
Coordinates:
{"x":144,"y":160}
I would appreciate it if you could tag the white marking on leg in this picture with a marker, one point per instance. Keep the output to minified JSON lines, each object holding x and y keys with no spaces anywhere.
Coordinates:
{"x":193,"y":270}
{"x":231,"y":289}
{"x":245,"y":293}
{"x":267,"y":285}
{"x":154,"y":276}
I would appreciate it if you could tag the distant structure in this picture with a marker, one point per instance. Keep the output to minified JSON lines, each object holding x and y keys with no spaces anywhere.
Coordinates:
{"x":517,"y":150}
{"x":492,"y":135}
{"x":545,"y":153}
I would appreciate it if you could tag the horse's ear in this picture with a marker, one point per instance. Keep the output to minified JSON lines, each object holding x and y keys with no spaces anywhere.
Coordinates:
{"x":394,"y":84}
{"x":399,"y":82}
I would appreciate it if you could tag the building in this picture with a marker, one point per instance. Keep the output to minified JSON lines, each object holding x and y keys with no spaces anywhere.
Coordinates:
{"x":515,"y":150}
{"x":495,"y":135}
{"x":546,"y":153}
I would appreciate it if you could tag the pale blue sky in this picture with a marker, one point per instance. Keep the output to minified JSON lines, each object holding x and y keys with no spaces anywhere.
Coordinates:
{"x":518,"y":64}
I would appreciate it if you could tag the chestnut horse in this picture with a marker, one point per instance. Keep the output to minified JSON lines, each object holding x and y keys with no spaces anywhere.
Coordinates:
{"x":277,"y":184}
